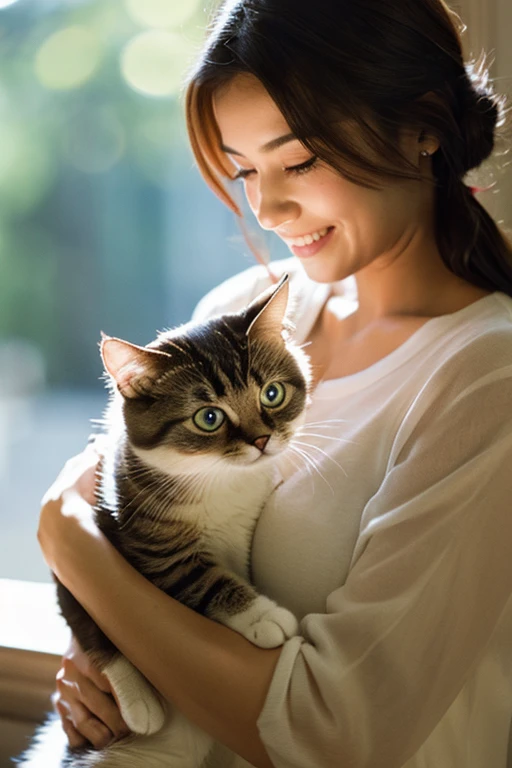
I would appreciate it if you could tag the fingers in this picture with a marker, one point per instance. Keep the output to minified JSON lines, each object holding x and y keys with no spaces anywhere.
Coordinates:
{"x":98,"y":443}
{"x":85,"y":704}
{"x":81,"y":728}
{"x":75,"y":739}
{"x":79,"y":473}
{"x":90,"y":707}
{"x":86,"y":485}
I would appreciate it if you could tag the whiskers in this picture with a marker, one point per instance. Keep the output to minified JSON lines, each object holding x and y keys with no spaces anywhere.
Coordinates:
{"x":305,"y":430}
{"x":308,"y":461}
{"x":309,"y":453}
{"x":326,"y":422}
{"x":324,"y":453}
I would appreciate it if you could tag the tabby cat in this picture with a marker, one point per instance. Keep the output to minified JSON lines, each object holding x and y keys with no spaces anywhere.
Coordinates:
{"x":195,"y":423}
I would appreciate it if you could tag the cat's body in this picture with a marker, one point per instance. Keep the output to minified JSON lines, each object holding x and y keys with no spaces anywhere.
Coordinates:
{"x":189,"y":461}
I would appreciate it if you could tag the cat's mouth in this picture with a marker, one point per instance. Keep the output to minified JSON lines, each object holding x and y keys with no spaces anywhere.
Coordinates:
{"x":244,"y":458}
{"x":248,"y":454}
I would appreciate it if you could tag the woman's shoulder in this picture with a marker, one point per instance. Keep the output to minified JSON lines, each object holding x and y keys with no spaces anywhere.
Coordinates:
{"x":459,"y":379}
{"x":468,"y":351}
{"x":471,"y":345}
{"x":486,"y":326}
{"x":238,"y":291}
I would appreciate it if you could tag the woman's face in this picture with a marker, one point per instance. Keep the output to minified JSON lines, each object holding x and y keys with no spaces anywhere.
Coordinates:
{"x":344,"y":227}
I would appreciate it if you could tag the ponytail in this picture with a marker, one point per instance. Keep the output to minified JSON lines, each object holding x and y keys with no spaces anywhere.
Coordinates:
{"x":470,"y":242}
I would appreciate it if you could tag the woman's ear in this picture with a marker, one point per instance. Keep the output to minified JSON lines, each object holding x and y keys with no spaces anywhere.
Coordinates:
{"x":418,"y":143}
{"x":427,"y":142}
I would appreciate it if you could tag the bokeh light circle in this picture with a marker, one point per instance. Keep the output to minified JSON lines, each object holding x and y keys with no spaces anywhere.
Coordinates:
{"x":161,"y":13}
{"x":154,"y":62}
{"x":68,"y":58}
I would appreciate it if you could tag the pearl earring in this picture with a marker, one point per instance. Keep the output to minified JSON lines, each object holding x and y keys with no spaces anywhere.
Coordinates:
{"x":425,"y":153}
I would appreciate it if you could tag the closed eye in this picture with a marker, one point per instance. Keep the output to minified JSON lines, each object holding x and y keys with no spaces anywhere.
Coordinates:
{"x":243,"y":173}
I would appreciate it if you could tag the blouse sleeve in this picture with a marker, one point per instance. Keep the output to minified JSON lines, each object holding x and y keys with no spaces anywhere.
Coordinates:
{"x":369,"y":680}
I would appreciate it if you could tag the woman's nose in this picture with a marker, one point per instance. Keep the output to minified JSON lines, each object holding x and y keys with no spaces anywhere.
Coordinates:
{"x":273,"y":207}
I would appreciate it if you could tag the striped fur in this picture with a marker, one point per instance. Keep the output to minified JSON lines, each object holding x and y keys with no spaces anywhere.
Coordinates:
{"x":181,"y":503}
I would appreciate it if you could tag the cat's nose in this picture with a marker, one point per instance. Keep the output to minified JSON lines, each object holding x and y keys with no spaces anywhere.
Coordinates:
{"x":261,"y":442}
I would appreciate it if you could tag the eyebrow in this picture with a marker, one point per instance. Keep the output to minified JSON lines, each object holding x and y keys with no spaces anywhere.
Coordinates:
{"x":269,"y":147}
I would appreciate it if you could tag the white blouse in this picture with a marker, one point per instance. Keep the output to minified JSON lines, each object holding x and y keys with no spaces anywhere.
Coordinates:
{"x":395,"y":551}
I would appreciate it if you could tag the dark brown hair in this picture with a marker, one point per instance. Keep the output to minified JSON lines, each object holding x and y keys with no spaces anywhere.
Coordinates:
{"x":376,"y":66}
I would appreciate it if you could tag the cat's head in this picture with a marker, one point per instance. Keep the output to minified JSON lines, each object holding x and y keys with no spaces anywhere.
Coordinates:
{"x":231,"y":389}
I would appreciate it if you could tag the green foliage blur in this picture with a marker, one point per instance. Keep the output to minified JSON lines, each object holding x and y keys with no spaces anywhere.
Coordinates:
{"x":104,"y":222}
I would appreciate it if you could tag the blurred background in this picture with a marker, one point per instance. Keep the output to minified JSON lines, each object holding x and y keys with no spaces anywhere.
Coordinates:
{"x":105,"y":224}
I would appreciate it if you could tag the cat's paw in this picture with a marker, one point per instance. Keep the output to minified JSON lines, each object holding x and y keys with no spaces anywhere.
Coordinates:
{"x":140,"y":707}
{"x":273,"y":628}
{"x":265,"y":624}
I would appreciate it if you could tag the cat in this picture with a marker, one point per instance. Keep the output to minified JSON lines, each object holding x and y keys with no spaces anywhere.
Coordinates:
{"x":196,"y":422}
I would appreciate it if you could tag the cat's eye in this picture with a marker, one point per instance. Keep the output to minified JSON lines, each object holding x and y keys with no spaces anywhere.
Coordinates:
{"x":273,"y":394}
{"x":209,"y":419}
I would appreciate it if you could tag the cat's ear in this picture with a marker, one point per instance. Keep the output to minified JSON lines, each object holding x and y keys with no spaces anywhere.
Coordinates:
{"x":267,"y":312}
{"x":134,"y":369}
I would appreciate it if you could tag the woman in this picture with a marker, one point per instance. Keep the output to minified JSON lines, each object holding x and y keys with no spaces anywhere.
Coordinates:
{"x":351,"y":127}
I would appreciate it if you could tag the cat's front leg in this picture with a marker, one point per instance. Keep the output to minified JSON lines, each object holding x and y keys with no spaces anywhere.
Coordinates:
{"x":141,"y":708}
{"x":138,"y":701}
{"x":264,"y":623}
{"x":236,"y":604}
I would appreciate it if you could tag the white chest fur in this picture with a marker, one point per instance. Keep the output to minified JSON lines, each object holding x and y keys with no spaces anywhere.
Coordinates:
{"x":229,"y":511}
{"x":231,"y":499}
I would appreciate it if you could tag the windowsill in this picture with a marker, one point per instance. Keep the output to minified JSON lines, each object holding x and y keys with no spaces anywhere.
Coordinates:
{"x":30,"y":619}
{"x":33,"y":637}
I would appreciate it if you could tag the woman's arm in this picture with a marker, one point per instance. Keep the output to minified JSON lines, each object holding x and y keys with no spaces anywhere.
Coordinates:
{"x":213,"y":675}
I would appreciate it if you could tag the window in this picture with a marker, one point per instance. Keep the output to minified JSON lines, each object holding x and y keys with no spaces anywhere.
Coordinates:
{"x":105,"y":224}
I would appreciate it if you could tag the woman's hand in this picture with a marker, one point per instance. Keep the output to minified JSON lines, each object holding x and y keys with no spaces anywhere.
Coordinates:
{"x":79,"y":474}
{"x":85,"y":703}
{"x":66,"y":506}
{"x":84,"y":699}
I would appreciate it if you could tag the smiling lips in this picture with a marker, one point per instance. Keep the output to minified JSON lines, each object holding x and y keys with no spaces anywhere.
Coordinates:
{"x":307,"y":239}
{"x":310,"y":244}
